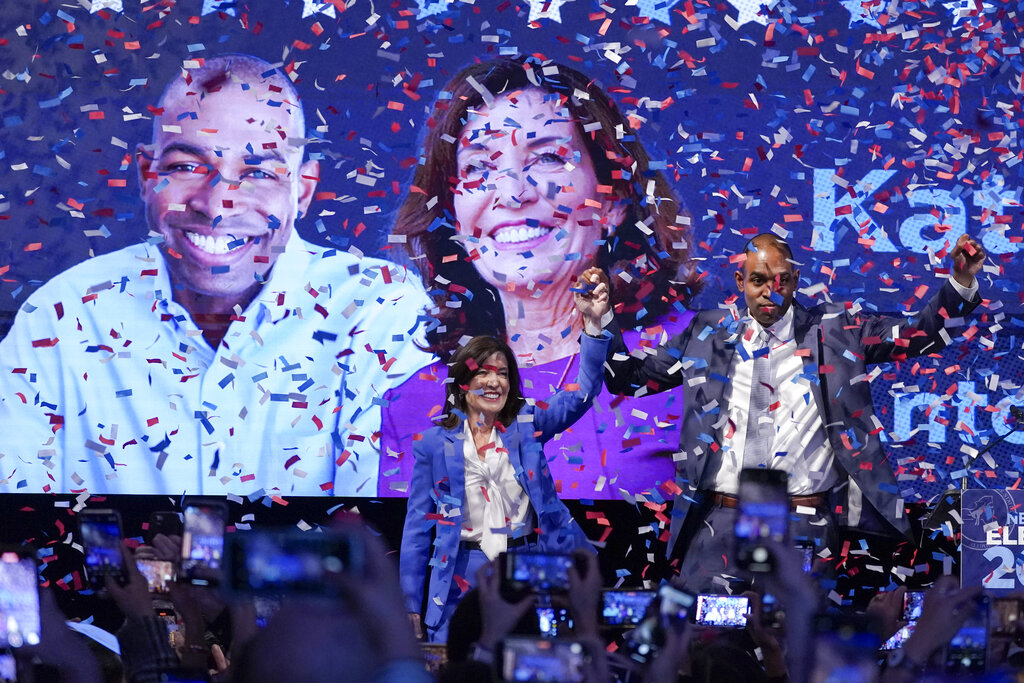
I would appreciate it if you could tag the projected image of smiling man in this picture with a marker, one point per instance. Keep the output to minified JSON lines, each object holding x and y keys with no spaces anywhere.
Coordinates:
{"x":222,"y":353}
{"x":223,"y":183}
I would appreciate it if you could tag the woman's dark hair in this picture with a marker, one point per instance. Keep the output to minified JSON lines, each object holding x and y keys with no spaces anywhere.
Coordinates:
{"x":461,"y":371}
{"x":650,"y":248}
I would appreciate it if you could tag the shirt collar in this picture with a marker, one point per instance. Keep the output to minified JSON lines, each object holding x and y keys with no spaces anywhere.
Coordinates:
{"x":782,"y":330}
{"x":290,"y":267}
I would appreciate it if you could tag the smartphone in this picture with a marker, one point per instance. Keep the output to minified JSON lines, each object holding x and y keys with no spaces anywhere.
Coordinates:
{"x":1006,"y":613}
{"x":19,"y":599}
{"x":847,"y":646}
{"x":624,"y":608}
{"x":552,"y":621}
{"x":291,"y":561}
{"x":967,"y":651}
{"x":102,"y":538}
{"x":763,"y":514}
{"x":8,"y":668}
{"x":806,"y":551}
{"x":541,"y":659}
{"x":163,"y":522}
{"x":169,"y":617}
{"x":772,"y":612}
{"x":912,"y":602}
{"x":525,"y":573}
{"x":159,"y":574}
{"x":202,"y":542}
{"x":726,"y":611}
{"x":674,"y":606}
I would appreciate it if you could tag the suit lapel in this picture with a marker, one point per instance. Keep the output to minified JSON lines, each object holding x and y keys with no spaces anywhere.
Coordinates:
{"x":805,"y":333}
{"x":512,"y":441}
{"x":453,"y":461}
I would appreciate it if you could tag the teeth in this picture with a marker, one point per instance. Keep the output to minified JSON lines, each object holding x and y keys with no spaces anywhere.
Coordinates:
{"x":217,"y":244}
{"x":524,"y":234}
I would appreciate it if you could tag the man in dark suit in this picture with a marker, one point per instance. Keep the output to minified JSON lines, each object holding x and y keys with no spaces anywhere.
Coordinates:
{"x":780,"y":386}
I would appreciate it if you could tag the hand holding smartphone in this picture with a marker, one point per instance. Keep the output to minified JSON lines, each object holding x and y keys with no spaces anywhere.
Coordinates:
{"x":525,"y":573}
{"x":763,"y":514}
{"x":19,"y":599}
{"x":725,"y":611}
{"x":292,"y":562}
{"x":202,"y":542}
{"x":102,"y":538}
{"x":532,"y":659}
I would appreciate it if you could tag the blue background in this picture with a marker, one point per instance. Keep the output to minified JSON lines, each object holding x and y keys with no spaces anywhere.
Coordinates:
{"x":864,"y":138}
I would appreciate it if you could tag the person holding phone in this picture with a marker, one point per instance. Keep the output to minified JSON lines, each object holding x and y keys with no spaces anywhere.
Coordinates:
{"x":775,"y":385}
{"x":481,"y":482}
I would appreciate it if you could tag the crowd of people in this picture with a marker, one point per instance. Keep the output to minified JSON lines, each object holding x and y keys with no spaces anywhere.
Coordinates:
{"x":359,"y":630}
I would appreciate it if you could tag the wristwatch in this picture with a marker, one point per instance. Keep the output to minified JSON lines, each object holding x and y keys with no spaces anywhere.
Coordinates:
{"x":899,"y":660}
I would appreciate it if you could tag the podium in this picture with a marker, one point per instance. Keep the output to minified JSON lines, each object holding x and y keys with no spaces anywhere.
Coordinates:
{"x":992,"y":540}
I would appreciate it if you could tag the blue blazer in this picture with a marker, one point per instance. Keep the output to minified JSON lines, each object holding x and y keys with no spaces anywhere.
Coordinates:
{"x":438,"y":487}
{"x":838,"y":345}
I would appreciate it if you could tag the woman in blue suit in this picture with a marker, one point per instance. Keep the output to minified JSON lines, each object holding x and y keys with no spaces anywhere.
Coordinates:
{"x":481,"y":483}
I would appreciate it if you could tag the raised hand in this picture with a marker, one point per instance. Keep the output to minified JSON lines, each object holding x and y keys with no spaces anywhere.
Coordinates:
{"x":592,"y":296}
{"x":968,"y":257}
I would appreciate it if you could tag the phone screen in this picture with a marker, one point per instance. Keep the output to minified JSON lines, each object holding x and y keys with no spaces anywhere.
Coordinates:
{"x":763,"y":514}
{"x":553,"y":620}
{"x":536,"y":572}
{"x":966,"y":651}
{"x":624,"y":608}
{"x":912,"y":602}
{"x":675,"y":604}
{"x":101,"y":536}
{"x":159,"y":574}
{"x":19,"y":600}
{"x":528,"y":659}
{"x":8,"y":668}
{"x":291,"y":562}
{"x":202,"y":542}
{"x":722,"y":610}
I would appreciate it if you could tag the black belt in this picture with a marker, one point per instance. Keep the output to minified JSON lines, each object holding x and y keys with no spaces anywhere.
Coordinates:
{"x":813,"y":501}
{"x":513,"y":542}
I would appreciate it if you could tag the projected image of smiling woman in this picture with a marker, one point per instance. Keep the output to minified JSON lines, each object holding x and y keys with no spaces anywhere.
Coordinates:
{"x":531,"y":175}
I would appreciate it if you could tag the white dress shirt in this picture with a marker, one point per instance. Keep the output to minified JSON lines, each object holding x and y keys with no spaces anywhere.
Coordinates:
{"x":496,"y":505}
{"x":109,"y":386}
{"x":800,"y":445}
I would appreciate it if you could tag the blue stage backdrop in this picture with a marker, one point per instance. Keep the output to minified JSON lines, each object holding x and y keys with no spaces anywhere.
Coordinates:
{"x":869,"y":134}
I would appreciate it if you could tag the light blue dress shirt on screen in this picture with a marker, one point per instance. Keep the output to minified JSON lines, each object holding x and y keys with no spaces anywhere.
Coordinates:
{"x":107,"y":384}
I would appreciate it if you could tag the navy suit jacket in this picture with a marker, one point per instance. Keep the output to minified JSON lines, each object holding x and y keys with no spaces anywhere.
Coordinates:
{"x":836,"y":344}
{"x":438,"y":486}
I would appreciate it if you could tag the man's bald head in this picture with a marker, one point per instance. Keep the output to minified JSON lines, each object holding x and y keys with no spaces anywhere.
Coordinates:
{"x":268,"y":83}
{"x":767,"y":240}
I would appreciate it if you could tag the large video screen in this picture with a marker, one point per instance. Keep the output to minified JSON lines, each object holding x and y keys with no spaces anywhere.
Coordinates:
{"x":246,"y":281}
